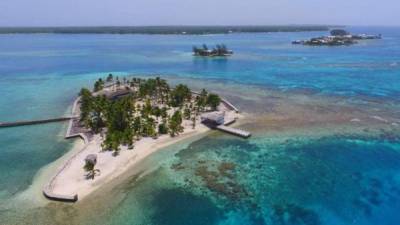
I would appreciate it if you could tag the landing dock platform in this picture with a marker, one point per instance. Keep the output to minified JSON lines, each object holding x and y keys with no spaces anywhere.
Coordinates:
{"x":234,"y":131}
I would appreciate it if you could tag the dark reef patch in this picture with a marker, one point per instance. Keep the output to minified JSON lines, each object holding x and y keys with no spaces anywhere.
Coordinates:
{"x":343,"y":174}
{"x":293,"y":214}
{"x":221,"y":180}
{"x":217,"y":144}
{"x":177,"y":166}
{"x":181,"y":207}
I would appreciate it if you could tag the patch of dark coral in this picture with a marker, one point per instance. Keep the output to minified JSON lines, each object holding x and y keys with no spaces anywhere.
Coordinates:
{"x":363,"y":206}
{"x":294,"y":214}
{"x":222,"y":180}
{"x":226,"y":168}
{"x":177,"y":166}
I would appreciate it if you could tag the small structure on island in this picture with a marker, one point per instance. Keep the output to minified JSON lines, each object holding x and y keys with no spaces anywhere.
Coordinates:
{"x":339,"y":32}
{"x":213,"y":118}
{"x":91,"y":159}
{"x":216,"y":120}
{"x":113,"y":95}
{"x":337,"y":37}
{"x":219,"y":50}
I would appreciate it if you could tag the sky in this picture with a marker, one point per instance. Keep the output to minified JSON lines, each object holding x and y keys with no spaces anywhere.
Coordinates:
{"x":196,"y":12}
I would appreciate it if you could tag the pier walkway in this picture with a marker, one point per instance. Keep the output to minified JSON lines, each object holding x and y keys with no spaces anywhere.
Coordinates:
{"x":234,"y":131}
{"x":33,"y":122}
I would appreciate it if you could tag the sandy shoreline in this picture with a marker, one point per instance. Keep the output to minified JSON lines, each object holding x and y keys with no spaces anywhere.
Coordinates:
{"x":32,"y":193}
{"x":72,"y":179}
{"x":69,"y":181}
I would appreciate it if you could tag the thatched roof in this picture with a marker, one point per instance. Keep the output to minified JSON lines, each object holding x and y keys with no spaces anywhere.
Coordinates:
{"x":91,"y":158}
{"x":216,"y":117}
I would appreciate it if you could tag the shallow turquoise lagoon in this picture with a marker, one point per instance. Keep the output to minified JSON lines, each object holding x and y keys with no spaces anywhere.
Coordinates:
{"x":264,"y":180}
{"x":274,"y":181}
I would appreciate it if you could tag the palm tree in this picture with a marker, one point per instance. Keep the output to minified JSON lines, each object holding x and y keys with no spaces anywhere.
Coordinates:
{"x":195,"y":50}
{"x":218,"y":50}
{"x":213,"y":100}
{"x":110,"y":78}
{"x":194,"y":122}
{"x":175,"y":123}
{"x":91,"y":172}
{"x":86,"y":105}
{"x":224,"y":48}
{"x":97,"y":114}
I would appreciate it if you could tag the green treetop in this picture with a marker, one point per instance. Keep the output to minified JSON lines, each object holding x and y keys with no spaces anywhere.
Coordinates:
{"x":213,"y":100}
{"x":175,"y":124}
{"x":179,"y":95}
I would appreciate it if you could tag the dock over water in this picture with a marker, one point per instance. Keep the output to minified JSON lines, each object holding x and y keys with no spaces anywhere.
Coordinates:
{"x":220,"y":121}
{"x":33,"y":122}
{"x":234,"y":131}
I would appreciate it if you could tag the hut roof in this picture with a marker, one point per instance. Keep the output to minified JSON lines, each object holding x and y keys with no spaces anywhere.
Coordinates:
{"x":92,"y":158}
{"x":117,"y":93}
{"x":217,"y":117}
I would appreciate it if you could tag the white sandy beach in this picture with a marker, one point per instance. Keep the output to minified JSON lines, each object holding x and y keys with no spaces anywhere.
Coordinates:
{"x":72,"y":178}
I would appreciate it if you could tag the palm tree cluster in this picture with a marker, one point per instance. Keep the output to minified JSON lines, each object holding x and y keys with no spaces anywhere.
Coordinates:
{"x":218,"y":50}
{"x":151,"y":108}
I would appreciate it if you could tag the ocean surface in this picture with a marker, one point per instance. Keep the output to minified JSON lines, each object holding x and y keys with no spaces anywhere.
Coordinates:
{"x":325,"y":148}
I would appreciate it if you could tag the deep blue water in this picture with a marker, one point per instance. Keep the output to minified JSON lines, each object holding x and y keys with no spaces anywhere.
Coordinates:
{"x":327,"y":180}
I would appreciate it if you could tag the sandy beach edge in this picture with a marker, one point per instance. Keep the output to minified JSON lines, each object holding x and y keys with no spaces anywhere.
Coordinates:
{"x":72,"y":180}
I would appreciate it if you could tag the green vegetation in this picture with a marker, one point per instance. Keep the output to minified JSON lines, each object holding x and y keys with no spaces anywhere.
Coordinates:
{"x":175,"y":122}
{"x":213,"y":101}
{"x":148,"y":108}
{"x":179,"y":95}
{"x":109,"y":78}
{"x":98,"y":85}
{"x":339,"y":32}
{"x":91,"y":172}
{"x":219,"y":50}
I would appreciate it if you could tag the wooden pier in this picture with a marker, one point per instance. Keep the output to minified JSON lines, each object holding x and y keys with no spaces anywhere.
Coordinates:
{"x":234,"y":131}
{"x":33,"y":122}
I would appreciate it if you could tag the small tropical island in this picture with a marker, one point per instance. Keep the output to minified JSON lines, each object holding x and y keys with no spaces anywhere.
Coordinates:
{"x":337,"y":37}
{"x":122,"y":121}
{"x":218,"y":50}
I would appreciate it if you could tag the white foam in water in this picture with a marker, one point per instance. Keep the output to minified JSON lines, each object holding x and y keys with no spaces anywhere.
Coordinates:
{"x":379,"y":118}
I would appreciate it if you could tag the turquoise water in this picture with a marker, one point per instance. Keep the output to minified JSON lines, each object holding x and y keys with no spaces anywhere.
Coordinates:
{"x":325,"y":181}
{"x":281,"y":177}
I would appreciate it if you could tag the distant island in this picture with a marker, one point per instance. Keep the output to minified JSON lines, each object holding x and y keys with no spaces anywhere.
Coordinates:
{"x":337,"y":37}
{"x":160,"y":29}
{"x":218,"y":50}
{"x":122,"y":121}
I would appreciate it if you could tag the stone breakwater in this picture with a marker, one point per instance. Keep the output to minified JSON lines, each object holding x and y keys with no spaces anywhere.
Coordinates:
{"x":72,"y":132}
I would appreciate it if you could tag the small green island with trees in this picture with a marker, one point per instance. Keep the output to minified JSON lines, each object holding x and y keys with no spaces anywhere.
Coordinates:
{"x":124,"y":111}
{"x":218,"y":50}
{"x":124,"y":120}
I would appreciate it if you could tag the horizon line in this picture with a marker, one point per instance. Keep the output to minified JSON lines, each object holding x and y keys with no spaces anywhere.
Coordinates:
{"x":186,"y":25}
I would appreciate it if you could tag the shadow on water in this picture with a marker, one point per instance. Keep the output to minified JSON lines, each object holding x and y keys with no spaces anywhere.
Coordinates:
{"x":176,"y":206}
